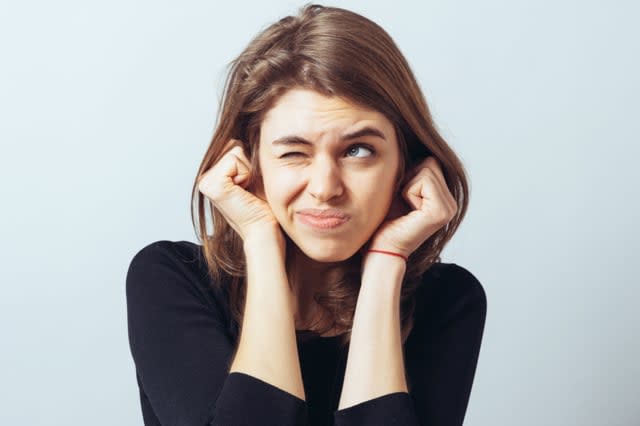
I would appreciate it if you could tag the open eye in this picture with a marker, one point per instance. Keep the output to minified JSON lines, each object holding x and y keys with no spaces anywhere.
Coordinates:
{"x":354,"y":148}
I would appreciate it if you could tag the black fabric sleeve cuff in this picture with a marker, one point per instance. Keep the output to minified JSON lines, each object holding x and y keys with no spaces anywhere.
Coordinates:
{"x":246,"y":400}
{"x":386,"y":410}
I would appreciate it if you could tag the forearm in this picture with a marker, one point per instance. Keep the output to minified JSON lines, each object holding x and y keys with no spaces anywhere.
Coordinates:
{"x":267,"y":348}
{"x":375,"y":364}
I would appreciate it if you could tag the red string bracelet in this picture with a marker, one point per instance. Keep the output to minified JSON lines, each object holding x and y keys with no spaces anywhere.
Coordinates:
{"x":388,"y":252}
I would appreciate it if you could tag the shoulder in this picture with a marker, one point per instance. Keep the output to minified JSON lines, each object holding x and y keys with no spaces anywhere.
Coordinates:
{"x":451,"y":279}
{"x":448,"y":290}
{"x":182,"y":257}
{"x":164,"y":251}
{"x":169,"y":271}
{"x":160,"y":262}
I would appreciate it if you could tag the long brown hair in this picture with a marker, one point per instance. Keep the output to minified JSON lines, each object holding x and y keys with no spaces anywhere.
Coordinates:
{"x":335,"y":52}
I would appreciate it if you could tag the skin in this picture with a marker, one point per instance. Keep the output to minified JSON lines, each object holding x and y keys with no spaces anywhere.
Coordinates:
{"x":326,"y":175}
{"x":376,"y":344}
{"x":331,"y":173}
{"x":323,"y":176}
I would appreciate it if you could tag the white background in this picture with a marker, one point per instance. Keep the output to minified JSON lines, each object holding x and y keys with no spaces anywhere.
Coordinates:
{"x":107,"y":108}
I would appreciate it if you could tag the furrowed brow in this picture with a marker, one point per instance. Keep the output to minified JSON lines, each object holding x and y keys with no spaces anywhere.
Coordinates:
{"x":292,"y":140}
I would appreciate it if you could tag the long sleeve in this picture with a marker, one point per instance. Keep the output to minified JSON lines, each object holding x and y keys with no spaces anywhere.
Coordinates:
{"x":182,"y":351}
{"x":441,"y":356}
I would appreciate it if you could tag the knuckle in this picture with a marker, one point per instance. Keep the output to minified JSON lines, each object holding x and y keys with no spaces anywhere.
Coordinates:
{"x":443,"y":215}
{"x":208,"y":188}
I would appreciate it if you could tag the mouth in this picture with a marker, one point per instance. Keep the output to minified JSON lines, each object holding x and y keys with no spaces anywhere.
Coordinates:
{"x":322,"y":222}
{"x":324,"y":213}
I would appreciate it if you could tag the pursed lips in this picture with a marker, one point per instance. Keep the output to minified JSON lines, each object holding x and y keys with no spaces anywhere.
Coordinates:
{"x":323,"y":219}
{"x":324,"y":213}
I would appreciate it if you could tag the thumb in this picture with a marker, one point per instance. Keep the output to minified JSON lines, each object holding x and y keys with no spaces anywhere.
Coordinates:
{"x":240,"y":171}
{"x":242,"y":174}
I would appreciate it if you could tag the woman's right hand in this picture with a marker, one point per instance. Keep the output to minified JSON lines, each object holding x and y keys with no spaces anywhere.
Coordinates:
{"x":224,"y":184}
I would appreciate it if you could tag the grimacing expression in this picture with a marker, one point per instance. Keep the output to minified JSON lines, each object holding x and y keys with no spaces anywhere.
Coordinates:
{"x":319,"y":152}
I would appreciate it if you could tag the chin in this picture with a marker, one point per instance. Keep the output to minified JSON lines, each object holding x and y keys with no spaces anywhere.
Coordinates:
{"x":327,"y":253}
{"x":327,"y":257}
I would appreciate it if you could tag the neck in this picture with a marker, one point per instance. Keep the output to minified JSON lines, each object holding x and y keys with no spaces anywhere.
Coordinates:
{"x":308,"y":277}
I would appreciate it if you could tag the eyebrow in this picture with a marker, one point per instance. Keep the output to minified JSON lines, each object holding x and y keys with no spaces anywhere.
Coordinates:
{"x":299,"y":140}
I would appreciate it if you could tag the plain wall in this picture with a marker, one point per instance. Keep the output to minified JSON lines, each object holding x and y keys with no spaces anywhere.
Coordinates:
{"x":107,"y":108}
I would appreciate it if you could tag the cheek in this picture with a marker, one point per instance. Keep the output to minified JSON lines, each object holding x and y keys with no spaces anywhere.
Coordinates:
{"x":280,"y":185}
{"x":377,"y":199}
{"x":377,"y":203}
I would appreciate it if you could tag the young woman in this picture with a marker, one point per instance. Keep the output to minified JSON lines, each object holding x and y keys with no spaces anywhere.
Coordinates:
{"x":319,"y":296}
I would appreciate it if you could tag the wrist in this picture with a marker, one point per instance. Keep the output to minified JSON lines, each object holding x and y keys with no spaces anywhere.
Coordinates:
{"x":388,"y":253}
{"x":379,"y":265}
{"x":264,"y":239}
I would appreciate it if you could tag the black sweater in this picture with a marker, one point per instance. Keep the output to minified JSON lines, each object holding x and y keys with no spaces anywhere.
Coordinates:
{"x":182,"y":338}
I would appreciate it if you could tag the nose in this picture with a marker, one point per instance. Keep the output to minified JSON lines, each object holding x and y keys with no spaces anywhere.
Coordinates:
{"x":324,"y":180}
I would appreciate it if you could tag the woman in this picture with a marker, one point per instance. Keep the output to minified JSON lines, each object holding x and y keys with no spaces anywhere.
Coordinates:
{"x":319,"y":296}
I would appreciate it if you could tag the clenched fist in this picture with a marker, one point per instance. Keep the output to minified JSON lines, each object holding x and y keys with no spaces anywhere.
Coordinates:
{"x":224,"y":184}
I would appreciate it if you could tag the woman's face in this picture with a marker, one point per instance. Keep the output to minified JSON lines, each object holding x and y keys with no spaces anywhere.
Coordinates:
{"x":318,"y":153}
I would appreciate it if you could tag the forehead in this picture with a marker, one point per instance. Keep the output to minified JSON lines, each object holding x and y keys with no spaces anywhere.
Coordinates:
{"x":303,"y":111}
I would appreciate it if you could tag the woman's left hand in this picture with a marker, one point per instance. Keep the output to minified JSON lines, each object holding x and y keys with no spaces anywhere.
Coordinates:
{"x":433,"y":206}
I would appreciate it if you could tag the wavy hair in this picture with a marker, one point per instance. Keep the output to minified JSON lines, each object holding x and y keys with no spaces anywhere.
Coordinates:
{"x":335,"y":52}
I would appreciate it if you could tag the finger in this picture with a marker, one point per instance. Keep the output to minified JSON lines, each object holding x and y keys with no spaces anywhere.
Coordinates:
{"x":237,"y":147}
{"x":225,"y":151}
{"x":426,"y":187}
{"x":238,"y":151}
{"x":414,"y":193}
{"x":434,"y":165}
{"x":430,"y":167}
{"x":447,"y":196}
{"x":429,"y":163}
{"x":219,"y":179}
{"x":241,"y":168}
